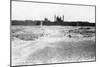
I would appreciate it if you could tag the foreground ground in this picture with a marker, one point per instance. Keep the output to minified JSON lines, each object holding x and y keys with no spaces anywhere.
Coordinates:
{"x":52,"y":44}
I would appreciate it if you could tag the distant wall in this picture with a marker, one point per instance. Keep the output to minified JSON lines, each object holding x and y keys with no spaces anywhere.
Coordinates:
{"x":14,"y":22}
{"x":29,"y":22}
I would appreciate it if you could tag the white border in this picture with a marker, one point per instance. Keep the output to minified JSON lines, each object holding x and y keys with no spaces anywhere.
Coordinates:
{"x":5,"y":33}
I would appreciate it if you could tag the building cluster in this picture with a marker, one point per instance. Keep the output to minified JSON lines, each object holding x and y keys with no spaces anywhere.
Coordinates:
{"x":58,"y":20}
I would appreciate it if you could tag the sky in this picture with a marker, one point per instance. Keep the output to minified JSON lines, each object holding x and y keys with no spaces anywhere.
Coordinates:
{"x":38,"y":11}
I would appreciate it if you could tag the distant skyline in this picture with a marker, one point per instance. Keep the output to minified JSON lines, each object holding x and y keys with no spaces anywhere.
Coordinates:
{"x":39,"y":11}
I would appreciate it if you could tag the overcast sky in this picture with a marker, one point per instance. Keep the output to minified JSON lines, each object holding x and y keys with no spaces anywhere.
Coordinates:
{"x":38,"y":11}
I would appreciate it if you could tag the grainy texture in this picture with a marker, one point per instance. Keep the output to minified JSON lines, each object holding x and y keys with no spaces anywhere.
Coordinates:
{"x":52,"y":44}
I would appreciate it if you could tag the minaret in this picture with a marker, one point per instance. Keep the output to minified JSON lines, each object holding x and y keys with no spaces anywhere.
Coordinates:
{"x":63,"y":17}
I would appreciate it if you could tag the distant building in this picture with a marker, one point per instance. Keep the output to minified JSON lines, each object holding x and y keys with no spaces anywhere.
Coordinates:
{"x":58,"y":18}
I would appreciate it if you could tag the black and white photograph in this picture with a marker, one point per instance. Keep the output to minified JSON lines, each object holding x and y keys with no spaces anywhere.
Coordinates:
{"x":52,"y":33}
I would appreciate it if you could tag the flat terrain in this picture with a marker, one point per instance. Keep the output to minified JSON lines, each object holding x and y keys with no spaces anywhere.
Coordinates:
{"x":52,"y":44}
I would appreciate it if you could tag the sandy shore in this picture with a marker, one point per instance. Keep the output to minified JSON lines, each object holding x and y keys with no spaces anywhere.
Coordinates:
{"x":52,"y":48}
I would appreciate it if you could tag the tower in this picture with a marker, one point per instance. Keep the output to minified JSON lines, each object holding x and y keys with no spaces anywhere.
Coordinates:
{"x":63,"y":17}
{"x":58,"y":18}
